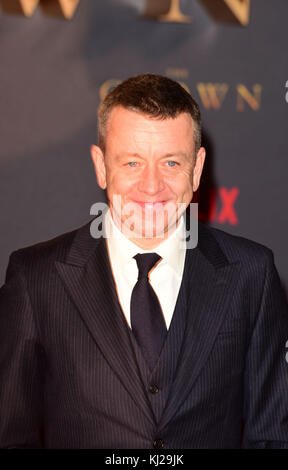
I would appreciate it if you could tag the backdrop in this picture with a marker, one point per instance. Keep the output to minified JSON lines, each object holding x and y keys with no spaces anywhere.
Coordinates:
{"x":55,"y":71}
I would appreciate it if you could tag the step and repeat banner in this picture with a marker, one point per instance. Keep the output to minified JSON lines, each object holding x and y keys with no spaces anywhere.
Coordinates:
{"x":59,"y":58}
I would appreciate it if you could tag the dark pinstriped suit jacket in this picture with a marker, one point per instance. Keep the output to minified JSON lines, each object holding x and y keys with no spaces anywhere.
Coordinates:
{"x":71,"y":375}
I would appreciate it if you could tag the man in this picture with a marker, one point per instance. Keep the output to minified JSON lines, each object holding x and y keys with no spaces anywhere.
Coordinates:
{"x":133,"y":339}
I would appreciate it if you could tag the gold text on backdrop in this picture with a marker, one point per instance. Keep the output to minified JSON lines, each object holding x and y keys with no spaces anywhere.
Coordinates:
{"x":212,"y":96}
{"x":165,"y":10}
{"x":162,"y":10}
{"x":64,"y":8}
{"x":26,"y":7}
{"x":222,"y":10}
{"x":243,"y":94}
{"x":231,"y":11}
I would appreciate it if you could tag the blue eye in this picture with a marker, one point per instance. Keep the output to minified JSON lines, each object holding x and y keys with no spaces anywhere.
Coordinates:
{"x":132,"y":163}
{"x":172,"y":163}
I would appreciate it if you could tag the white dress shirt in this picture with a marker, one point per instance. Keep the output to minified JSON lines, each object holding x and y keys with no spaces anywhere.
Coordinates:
{"x":165,"y":278}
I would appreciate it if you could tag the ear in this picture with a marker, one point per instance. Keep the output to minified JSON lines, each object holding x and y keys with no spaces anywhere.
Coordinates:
{"x":198,"y":167}
{"x":99,"y":165}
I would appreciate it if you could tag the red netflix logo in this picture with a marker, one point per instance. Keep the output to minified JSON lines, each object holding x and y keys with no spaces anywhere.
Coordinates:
{"x":220,"y":207}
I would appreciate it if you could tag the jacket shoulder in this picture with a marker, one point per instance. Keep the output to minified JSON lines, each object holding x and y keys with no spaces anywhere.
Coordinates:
{"x":48,"y":251}
{"x":236,"y":248}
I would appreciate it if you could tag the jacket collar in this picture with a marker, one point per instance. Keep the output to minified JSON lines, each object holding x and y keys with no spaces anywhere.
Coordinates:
{"x":210,"y":281}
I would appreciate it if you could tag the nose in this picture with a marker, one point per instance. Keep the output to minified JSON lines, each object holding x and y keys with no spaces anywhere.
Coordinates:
{"x":151,"y":181}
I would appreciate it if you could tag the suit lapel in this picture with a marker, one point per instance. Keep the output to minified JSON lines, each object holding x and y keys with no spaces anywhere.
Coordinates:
{"x":89,"y":281}
{"x":210,"y":281}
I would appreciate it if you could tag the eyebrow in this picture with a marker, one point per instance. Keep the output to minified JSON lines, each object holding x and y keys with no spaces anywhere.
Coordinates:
{"x":167,"y":155}
{"x":176,"y":154}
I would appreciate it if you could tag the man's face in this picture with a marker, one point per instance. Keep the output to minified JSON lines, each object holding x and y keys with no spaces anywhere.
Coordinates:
{"x":149,"y":165}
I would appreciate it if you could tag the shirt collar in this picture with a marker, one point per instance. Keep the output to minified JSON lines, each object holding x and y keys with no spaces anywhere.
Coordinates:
{"x":122,"y":249}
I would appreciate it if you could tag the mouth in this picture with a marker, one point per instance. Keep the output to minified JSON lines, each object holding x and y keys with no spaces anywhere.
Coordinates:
{"x":151,"y":205}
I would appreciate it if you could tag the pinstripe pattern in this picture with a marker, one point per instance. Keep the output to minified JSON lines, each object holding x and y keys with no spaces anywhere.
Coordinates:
{"x":72,"y":375}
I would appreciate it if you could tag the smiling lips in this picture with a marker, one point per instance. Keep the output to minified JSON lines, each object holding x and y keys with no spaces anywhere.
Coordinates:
{"x":151,"y":204}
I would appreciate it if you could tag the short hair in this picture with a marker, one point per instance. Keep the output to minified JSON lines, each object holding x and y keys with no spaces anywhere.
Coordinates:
{"x":152,"y":95}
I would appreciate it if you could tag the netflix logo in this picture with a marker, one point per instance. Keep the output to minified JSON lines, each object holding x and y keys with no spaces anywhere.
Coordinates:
{"x":219,"y":206}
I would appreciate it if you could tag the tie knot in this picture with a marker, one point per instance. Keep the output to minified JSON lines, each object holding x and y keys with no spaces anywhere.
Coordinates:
{"x":145,"y":263}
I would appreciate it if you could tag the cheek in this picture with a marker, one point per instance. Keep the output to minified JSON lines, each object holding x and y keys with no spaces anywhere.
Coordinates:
{"x":119,"y":183}
{"x":180,"y":184}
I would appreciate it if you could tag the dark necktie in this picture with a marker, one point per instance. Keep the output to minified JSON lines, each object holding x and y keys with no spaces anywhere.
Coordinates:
{"x":147,"y":320}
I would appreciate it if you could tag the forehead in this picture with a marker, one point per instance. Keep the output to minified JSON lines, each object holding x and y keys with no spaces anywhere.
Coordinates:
{"x":127,"y":126}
